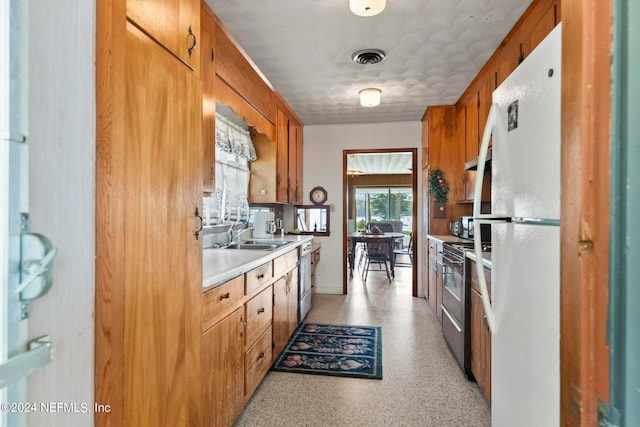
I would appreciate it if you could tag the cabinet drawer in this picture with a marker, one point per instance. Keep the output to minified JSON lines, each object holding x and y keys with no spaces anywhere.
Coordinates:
{"x":216,"y":301}
{"x":259,"y":314}
{"x":435,"y":250}
{"x":257,"y":361}
{"x":258,"y":277}
{"x":284,"y":263}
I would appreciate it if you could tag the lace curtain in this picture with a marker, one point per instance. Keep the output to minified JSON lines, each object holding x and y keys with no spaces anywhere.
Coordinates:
{"x":233,"y":139}
{"x":234,"y":151}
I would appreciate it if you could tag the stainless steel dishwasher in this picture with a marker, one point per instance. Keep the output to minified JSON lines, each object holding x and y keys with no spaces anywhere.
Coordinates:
{"x":304,"y":280}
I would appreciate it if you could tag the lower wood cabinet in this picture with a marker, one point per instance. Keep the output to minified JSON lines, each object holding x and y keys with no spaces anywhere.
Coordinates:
{"x":223,"y":370}
{"x":285,"y":309}
{"x":245,"y":322}
{"x":480,"y":335}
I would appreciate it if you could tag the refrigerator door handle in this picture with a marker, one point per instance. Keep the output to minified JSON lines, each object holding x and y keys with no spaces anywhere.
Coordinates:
{"x":536,"y":221}
{"x":479,"y":219}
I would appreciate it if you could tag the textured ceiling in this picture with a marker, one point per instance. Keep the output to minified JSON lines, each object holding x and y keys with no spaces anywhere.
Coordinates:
{"x":380,"y":163}
{"x":304,"y":47}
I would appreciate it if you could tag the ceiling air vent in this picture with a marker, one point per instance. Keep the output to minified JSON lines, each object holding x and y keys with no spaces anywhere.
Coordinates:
{"x":369,"y":56}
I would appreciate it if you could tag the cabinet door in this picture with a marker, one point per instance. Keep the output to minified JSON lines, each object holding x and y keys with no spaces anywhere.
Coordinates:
{"x":295,"y":162}
{"x":292,"y":301}
{"x":280,"y":315}
{"x":484,"y":104}
{"x":162,"y":271}
{"x":208,"y":76}
{"x":539,"y":30}
{"x":480,"y":346}
{"x":282,"y":157}
{"x":223,"y":371}
{"x":173,"y":24}
{"x":471,"y":128}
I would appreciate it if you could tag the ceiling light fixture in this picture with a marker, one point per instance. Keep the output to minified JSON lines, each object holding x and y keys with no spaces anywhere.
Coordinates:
{"x":370,"y":97}
{"x":367,"y":7}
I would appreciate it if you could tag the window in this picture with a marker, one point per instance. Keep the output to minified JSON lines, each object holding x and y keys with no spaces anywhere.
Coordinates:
{"x":384,"y":204}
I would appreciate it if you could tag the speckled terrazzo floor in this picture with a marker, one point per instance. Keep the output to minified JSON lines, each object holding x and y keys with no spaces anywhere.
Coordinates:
{"x":421,"y":386}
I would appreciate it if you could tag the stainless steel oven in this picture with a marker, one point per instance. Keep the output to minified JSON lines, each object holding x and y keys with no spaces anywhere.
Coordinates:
{"x":455,"y":318}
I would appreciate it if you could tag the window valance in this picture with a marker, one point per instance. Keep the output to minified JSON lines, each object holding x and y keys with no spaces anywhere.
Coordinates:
{"x":233,"y":139}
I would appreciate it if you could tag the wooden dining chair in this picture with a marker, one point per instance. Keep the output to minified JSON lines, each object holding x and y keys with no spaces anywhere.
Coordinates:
{"x":376,"y":251}
{"x":408,"y":251}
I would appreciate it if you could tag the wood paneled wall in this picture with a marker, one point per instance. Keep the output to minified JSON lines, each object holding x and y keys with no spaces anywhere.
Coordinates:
{"x":586,"y":112}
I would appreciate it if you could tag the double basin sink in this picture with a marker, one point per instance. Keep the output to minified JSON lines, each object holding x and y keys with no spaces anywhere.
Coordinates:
{"x":268,"y":245}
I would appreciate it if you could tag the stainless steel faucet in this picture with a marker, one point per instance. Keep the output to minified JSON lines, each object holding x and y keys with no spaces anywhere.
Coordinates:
{"x":241,"y":232}
{"x":230,"y":239}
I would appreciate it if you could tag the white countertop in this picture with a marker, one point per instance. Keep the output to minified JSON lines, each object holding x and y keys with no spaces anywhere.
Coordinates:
{"x":221,"y":265}
{"x":446,"y":238}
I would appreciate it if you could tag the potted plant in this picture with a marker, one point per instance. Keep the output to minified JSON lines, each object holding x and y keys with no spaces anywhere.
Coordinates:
{"x":438,"y":188}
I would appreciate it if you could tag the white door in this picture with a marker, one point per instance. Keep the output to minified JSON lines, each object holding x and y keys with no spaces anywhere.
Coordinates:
{"x":25,"y":258}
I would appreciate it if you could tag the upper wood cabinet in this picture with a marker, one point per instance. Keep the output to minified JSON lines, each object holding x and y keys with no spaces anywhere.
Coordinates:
{"x":173,"y":24}
{"x":238,"y":72}
{"x":208,"y":77}
{"x":289,"y":173}
{"x":276,"y":176}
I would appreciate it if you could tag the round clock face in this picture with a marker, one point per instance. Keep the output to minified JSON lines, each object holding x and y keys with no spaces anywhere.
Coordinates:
{"x":318,"y":195}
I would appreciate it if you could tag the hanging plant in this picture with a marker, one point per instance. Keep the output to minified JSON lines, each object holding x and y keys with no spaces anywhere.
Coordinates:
{"x":438,"y":185}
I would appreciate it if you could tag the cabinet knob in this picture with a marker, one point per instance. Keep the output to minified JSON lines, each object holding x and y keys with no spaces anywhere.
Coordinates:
{"x":260,"y":276}
{"x":261,"y":310}
{"x":225,"y":296}
{"x":261,"y":355}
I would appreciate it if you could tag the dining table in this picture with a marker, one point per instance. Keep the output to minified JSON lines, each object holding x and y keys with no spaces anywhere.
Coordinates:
{"x":355,"y":237}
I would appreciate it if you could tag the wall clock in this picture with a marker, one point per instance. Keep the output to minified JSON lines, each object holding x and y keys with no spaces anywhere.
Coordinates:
{"x":318,"y":195}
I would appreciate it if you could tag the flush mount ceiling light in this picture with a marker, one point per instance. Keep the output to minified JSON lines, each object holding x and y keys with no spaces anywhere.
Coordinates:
{"x":367,"y":7}
{"x":370,"y":97}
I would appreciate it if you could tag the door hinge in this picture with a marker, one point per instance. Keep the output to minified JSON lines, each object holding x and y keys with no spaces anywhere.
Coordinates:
{"x":608,"y":416}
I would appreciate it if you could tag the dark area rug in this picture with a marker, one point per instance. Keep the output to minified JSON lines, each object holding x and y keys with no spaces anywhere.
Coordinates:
{"x":346,"y":351}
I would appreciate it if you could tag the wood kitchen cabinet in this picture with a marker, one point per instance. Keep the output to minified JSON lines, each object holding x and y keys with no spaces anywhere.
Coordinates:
{"x":480,"y":334}
{"x":233,"y":67}
{"x":148,"y":284}
{"x":223,"y":370}
{"x":289,"y":158}
{"x":173,"y":24}
{"x":208,"y":77}
{"x":285,"y":309}
{"x":276,"y":177}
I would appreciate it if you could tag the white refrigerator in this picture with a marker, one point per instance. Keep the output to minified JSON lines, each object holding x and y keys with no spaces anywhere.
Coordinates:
{"x":524,"y":310}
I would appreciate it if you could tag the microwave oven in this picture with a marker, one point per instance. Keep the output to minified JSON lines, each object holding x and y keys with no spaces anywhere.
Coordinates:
{"x":467,"y":229}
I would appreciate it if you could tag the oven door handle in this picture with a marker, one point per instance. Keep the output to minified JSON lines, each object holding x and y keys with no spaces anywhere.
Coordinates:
{"x":452,"y":261}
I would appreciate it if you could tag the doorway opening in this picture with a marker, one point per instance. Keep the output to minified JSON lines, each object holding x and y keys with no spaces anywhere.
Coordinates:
{"x":380,"y":186}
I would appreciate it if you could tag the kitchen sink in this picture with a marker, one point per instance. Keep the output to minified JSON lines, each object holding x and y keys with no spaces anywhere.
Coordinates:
{"x":258,"y":244}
